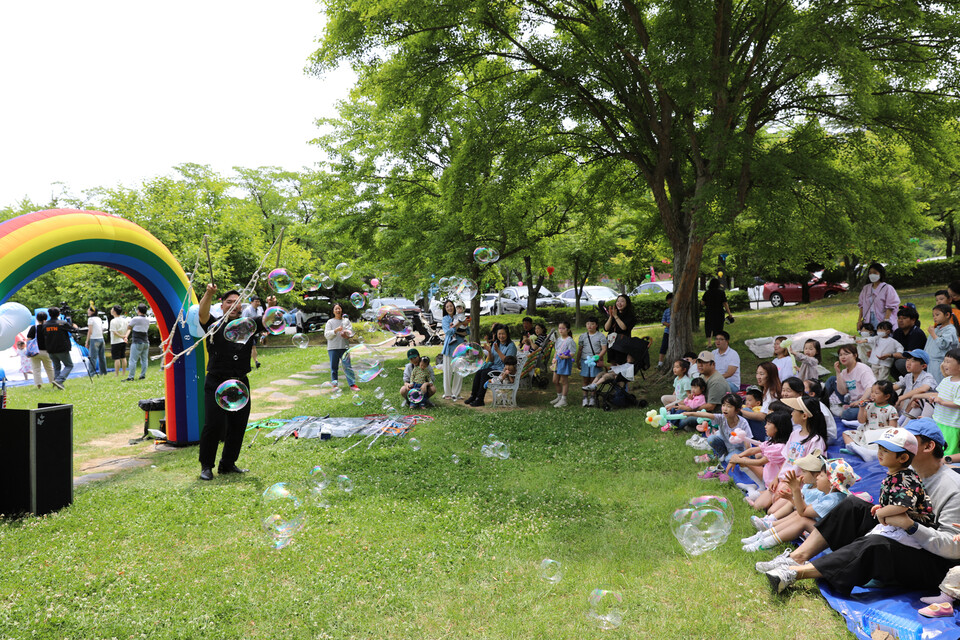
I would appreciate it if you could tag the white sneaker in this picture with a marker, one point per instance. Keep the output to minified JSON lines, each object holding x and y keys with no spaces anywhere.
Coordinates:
{"x":562,"y":402}
{"x":693,"y":440}
{"x":780,"y":578}
{"x":586,"y":402}
{"x":765,"y":542}
{"x":836,"y":409}
{"x":747,"y":487}
{"x":590,"y":387}
{"x":593,"y":401}
{"x":703,"y":445}
{"x":851,"y":423}
{"x":783,"y":559}
{"x":556,"y":400}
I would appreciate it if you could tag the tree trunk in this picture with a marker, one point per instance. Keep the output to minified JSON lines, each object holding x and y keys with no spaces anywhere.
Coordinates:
{"x":531,"y":294}
{"x":475,"y":305}
{"x":687,"y":255}
{"x":576,"y":291}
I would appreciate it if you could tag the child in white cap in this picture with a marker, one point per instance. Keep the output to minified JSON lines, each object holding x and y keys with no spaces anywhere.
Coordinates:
{"x":901,"y":491}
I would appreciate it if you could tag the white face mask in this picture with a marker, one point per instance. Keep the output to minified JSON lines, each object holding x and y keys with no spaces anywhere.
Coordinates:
{"x":864,"y":334}
{"x":883,"y":334}
{"x":874,"y":277}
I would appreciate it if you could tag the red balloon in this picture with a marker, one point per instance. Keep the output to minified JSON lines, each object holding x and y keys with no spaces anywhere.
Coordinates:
{"x":520,"y":283}
{"x":550,"y":270}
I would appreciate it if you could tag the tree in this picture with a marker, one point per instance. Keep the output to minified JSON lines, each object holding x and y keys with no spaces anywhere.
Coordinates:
{"x":680,"y":91}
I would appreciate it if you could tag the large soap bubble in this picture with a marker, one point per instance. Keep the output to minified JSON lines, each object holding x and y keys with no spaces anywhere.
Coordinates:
{"x":342,"y":271}
{"x":703,"y":524}
{"x":232,"y":395}
{"x":550,"y":571}
{"x":415,"y":396}
{"x":274,"y":321}
{"x":392,"y":319}
{"x":325,"y":281}
{"x":605,"y":608}
{"x":358,"y":300}
{"x":486,"y":255}
{"x":280,"y":281}
{"x":300,"y":340}
{"x":310,"y":282}
{"x":467,"y":358}
{"x":466,"y":290}
{"x":345,"y":483}
{"x":240,"y":330}
{"x":281,"y":514}
{"x":363,"y":361}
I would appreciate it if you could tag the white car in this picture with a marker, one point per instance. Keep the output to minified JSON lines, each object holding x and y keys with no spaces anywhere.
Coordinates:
{"x":589,"y":296}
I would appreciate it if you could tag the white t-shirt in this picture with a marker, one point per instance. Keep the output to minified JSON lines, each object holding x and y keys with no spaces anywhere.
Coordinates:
{"x":883,"y":347}
{"x":94,"y":328}
{"x":784,"y":367}
{"x":724,"y":361}
{"x":118,"y":329}
{"x":948,"y":390}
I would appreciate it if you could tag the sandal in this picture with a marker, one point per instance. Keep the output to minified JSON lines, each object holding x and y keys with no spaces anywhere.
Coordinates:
{"x":937,"y":610}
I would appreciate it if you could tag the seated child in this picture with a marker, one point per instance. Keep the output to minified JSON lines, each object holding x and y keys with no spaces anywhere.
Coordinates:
{"x":782,"y":359}
{"x":695,"y":398}
{"x":830,"y":481}
{"x":868,"y":335}
{"x":754,"y":413}
{"x":728,"y":419}
{"x":912,"y":386}
{"x":901,"y":490}
{"x":507,"y":376}
{"x":767,"y":457}
{"x":882,"y":350}
{"x":617,"y":373}
{"x":877,"y":414}
{"x":808,"y":360}
{"x":421,"y":378}
{"x":813,"y":389}
{"x":681,"y":384}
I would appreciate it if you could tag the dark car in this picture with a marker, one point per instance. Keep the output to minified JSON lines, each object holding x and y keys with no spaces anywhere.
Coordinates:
{"x":779,"y":293}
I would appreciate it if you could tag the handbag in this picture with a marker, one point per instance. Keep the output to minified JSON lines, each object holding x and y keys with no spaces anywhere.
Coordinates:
{"x":32,"y":348}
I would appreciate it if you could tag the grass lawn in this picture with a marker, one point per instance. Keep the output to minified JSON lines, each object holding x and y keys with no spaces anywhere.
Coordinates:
{"x":422,"y":548}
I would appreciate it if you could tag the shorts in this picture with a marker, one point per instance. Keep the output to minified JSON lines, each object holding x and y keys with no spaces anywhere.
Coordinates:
{"x":589,"y":370}
{"x":952,"y":436}
{"x":118,"y":350}
{"x":564,"y":367}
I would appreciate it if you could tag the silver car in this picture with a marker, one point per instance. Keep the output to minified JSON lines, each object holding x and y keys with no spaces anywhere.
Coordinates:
{"x":589,"y":296}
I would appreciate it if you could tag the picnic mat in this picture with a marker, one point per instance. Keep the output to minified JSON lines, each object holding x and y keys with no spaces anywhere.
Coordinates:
{"x":763,"y":347}
{"x":893,"y":601}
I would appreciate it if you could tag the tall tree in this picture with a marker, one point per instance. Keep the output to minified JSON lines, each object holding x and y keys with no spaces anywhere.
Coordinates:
{"x":680,"y":90}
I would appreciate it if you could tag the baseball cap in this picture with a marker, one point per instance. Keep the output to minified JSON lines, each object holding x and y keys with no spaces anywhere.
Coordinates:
{"x":927,"y":428}
{"x":705,"y":356}
{"x":920,"y":354}
{"x":842,"y":475}
{"x":412,"y":353}
{"x":811,"y":462}
{"x":898,"y":440}
{"x":797,"y":405}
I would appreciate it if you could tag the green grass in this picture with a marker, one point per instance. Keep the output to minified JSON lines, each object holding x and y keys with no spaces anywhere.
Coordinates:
{"x":422,"y":548}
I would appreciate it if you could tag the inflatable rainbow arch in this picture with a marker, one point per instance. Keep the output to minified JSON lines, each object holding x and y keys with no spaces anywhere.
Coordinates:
{"x":32,"y":244}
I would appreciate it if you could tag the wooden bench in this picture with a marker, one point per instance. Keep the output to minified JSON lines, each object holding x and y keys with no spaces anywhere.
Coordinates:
{"x":505,"y":395}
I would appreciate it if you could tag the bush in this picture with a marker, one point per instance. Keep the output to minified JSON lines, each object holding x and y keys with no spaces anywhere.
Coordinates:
{"x":935,"y":272}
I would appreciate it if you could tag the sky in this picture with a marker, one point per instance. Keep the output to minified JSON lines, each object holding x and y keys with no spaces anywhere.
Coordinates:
{"x":109,"y":92}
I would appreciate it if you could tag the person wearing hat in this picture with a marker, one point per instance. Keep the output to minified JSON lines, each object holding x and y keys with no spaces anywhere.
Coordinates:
{"x":901,"y":491}
{"x":913,"y":385}
{"x":810,"y":505}
{"x":413,"y":362}
{"x":716,"y":388}
{"x":858,"y":558}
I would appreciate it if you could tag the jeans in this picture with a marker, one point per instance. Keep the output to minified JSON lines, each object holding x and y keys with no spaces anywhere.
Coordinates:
{"x":734,"y":388}
{"x":97,"y":355}
{"x":832,"y":393}
{"x":723,"y":449}
{"x":335,"y":356}
{"x":61,"y":359}
{"x":138,"y":353}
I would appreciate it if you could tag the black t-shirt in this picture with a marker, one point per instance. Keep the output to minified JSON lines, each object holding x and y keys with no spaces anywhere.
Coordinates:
{"x":41,"y":338}
{"x":229,"y":359}
{"x":713,"y":300}
{"x":56,"y":336}
{"x":916,"y":339}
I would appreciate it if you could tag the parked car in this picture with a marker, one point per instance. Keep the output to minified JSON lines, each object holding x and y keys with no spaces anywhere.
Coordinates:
{"x":487,"y":302}
{"x":589,"y":296}
{"x":407,"y":306}
{"x":660,"y":286}
{"x":514,"y":299}
{"x":779,"y":293}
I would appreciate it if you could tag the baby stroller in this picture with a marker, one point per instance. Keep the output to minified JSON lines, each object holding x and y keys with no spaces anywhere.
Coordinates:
{"x":614,"y":394}
{"x":431,"y":335}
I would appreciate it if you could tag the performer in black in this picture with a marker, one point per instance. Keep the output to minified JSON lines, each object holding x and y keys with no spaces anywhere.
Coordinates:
{"x":227,"y":361}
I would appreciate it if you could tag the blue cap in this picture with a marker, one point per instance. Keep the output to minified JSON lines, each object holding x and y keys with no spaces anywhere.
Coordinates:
{"x":927,"y":428}
{"x":920,"y":354}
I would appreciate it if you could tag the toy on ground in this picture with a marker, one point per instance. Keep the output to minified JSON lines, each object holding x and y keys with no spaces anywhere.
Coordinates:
{"x":661,"y":418}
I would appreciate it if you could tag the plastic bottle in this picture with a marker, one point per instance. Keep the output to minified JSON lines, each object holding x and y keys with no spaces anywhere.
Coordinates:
{"x":898,"y":626}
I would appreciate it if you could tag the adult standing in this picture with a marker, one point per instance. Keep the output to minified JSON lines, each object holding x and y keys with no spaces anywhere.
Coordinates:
{"x":139,"y":342}
{"x":118,"y":339}
{"x":452,"y":325}
{"x":226,"y":360}
{"x":715,"y":309}
{"x":94,"y":342}
{"x":910,"y":336}
{"x":919,"y":562}
{"x":727,"y":361}
{"x":42,"y":358}
{"x":499,"y":346}
{"x":338,"y":332}
{"x":57,"y":336}
{"x":621,"y":319}
{"x":852,"y":383}
{"x":717,"y":387}
{"x":878,"y":299}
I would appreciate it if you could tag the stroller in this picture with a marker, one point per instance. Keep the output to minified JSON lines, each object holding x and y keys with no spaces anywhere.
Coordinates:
{"x":431,"y":335}
{"x":614,"y":394}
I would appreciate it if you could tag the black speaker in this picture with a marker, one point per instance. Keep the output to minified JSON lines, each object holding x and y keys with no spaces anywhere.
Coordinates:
{"x":36,"y":459}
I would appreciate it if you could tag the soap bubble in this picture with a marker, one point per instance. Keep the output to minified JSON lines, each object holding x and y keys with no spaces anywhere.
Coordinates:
{"x":387,"y":406}
{"x":500,"y":450}
{"x":487,"y":451}
{"x":467,"y":358}
{"x":325,"y":281}
{"x":550,"y":571}
{"x":605,"y":608}
{"x":481,"y":255}
{"x":310,"y":282}
{"x":232,"y":395}
{"x":280,"y":281}
{"x":455,"y":459}
{"x":414,"y":444}
{"x":317,"y":478}
{"x":357,"y":400}
{"x":300,"y":340}
{"x":345,"y":484}
{"x":363,"y":361}
{"x":357,"y":300}
{"x":383,"y":373}
{"x":392,"y":319}
{"x":415,"y":396}
{"x":281,"y":514}
{"x":371,"y":327}
{"x":337,"y":393}
{"x":378,"y":393}
{"x":240,"y":330}
{"x":466,"y":290}
{"x":342,"y":271}
{"x":703,"y":524}
{"x":273,"y":320}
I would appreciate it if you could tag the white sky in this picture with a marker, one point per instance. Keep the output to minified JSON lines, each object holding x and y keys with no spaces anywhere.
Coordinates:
{"x":107,"y":92}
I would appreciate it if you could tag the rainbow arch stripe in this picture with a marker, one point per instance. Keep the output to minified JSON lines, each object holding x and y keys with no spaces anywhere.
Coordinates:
{"x":34,"y":243}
